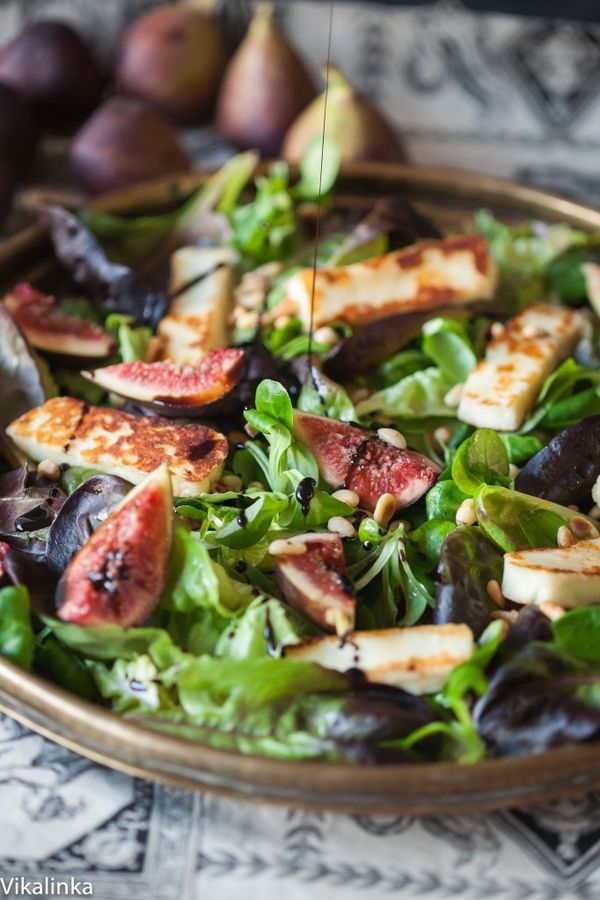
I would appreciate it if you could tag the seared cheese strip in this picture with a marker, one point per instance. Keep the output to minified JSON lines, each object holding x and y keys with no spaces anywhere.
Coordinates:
{"x":503,"y":387}
{"x":418,"y":660}
{"x":428,"y":275}
{"x":196,"y":320}
{"x":566,"y":575}
{"x":69,"y":431}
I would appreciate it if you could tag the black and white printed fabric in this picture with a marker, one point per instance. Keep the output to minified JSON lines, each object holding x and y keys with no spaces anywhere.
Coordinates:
{"x":63,"y":817}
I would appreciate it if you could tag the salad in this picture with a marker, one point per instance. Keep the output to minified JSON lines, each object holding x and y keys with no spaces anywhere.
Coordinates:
{"x":289,"y":481}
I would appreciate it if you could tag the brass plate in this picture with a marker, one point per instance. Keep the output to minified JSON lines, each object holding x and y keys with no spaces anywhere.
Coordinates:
{"x":444,"y":788}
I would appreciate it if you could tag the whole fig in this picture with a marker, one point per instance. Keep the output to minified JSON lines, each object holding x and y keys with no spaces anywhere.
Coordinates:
{"x":359,"y":130}
{"x":265,"y":87}
{"x":124,"y":142}
{"x":173,"y":57}
{"x":51,"y":66}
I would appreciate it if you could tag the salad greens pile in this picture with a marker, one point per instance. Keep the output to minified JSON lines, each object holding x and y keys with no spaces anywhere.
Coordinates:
{"x":213,"y":661}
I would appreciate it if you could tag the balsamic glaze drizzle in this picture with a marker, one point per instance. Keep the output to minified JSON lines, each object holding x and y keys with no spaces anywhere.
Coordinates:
{"x":304,"y":494}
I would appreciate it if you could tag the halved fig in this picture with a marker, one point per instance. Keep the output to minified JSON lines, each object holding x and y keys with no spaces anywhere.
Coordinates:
{"x":358,"y":459}
{"x":118,"y":576}
{"x":173,"y":389}
{"x":47,"y":328}
{"x":311,"y":571}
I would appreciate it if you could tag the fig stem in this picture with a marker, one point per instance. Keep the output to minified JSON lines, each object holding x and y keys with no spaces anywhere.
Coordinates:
{"x":337,"y":79}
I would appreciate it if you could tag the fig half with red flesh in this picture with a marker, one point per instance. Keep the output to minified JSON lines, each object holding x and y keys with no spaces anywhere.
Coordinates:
{"x":314,"y":579}
{"x":118,"y":575}
{"x":48,"y":329}
{"x":171,"y":388}
{"x":358,"y":459}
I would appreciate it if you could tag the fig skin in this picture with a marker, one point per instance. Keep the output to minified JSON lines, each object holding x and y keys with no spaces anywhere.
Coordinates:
{"x":18,"y":132}
{"x":357,"y":127}
{"x":173,"y":57}
{"x":265,"y":87}
{"x":50,"y":65}
{"x":124,"y":142}
{"x":117,"y":577}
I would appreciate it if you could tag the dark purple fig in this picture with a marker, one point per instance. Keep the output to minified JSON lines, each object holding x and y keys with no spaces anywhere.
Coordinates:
{"x":173,"y":57}
{"x":265,"y":87}
{"x":358,"y":459}
{"x":311,"y":571}
{"x":566,"y":470}
{"x":124,"y":142}
{"x":49,"y":64}
{"x":81,"y":515}
{"x":118,"y":575}
{"x":358,"y":129}
{"x":48,"y":329}
{"x":173,"y":389}
{"x":468,"y":562}
{"x":18,"y":132}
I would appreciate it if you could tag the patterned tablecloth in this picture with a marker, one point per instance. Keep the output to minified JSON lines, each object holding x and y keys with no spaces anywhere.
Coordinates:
{"x":62,"y":817}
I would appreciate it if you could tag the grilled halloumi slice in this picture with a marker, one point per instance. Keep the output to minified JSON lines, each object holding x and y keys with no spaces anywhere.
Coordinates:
{"x":428,"y":275}
{"x":196,"y":320}
{"x":418,"y":659}
{"x":70,"y":431}
{"x":503,"y":387}
{"x":566,"y":575}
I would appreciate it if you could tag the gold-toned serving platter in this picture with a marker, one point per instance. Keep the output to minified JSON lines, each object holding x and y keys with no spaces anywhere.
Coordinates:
{"x":444,"y":788}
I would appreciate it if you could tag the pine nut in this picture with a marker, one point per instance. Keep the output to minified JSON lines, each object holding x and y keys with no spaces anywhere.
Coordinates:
{"x":574,"y":507}
{"x":497,"y":329}
{"x":282,"y":321}
{"x":233,"y":482}
{"x":341,"y":526}
{"x":282,"y":547}
{"x":326,"y":335}
{"x":508,"y":616}
{"x":346,"y":496}
{"x":339,"y":620}
{"x":393,"y":437}
{"x":454,"y":395}
{"x":465,"y":514}
{"x":384,"y":509}
{"x":495,"y":593}
{"x":564,"y":537}
{"x":594,"y":512}
{"x":441,"y":435}
{"x":552,"y":610}
{"x":582,"y":528}
{"x":247,"y":320}
{"x":250,"y":431}
{"x":237,"y":437}
{"x":513,"y":470}
{"x":256,"y":485}
{"x":49,"y":470}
